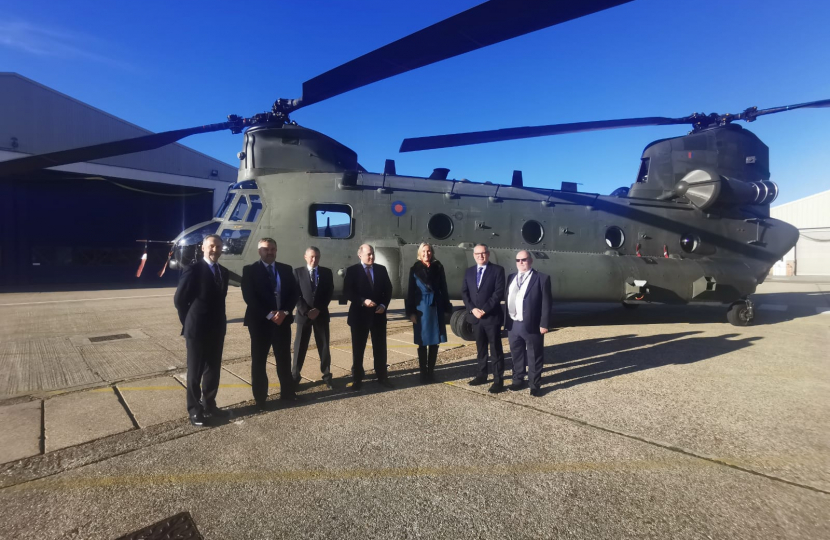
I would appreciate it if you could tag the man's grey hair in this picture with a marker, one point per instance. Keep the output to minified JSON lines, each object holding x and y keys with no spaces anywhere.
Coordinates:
{"x":315,"y":249}
{"x":267,"y":240}
{"x":360,"y":249}
{"x":529,"y":254}
{"x":485,"y":246}
{"x":215,"y":237}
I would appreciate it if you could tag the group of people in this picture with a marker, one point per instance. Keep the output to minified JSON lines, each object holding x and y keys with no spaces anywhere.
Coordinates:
{"x":272,"y":291}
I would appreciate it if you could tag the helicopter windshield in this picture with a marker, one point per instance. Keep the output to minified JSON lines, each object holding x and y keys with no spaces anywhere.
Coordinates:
{"x":195,"y":237}
{"x":224,"y":206}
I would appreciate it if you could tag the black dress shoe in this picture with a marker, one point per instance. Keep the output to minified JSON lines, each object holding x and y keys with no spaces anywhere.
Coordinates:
{"x":385,"y":382}
{"x":328,"y":384}
{"x":478,"y":381}
{"x":356,"y":385}
{"x":197,"y":419}
{"x":262,"y":405}
{"x":536,"y":392}
{"x":515,"y":387}
{"x":215,"y":412}
{"x":496,"y":388}
{"x":284,"y":396}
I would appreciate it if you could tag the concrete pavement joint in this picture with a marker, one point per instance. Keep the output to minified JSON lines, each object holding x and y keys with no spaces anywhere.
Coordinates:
{"x":718,"y":461}
{"x":126,"y":407}
{"x":42,"y":441}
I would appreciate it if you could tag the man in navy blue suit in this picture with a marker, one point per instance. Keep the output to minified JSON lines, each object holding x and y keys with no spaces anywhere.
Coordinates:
{"x":529,"y":302}
{"x":200,"y":301}
{"x":482,"y":292}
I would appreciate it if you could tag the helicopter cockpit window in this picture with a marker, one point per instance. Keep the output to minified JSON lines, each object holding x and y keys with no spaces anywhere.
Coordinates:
{"x":241,"y":208}
{"x":330,"y":220}
{"x":245,"y":184}
{"x":642,"y":176}
{"x":614,"y":237}
{"x":532,"y":232}
{"x":196,"y":237}
{"x":224,"y":206}
{"x":234,"y":241}
{"x":440,"y":226}
{"x":256,"y":208}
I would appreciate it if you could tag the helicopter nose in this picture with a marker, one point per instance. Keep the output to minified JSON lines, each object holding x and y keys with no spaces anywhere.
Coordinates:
{"x":188,"y":245}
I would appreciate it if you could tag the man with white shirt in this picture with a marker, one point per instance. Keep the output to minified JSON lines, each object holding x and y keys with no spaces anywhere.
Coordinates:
{"x":482,"y":292}
{"x":316,"y":288}
{"x":529,"y":301}
{"x":270,"y":291}
{"x":200,"y":301}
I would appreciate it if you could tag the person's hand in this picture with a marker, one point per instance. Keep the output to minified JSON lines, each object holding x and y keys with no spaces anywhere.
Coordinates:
{"x":279,"y":317}
{"x":313,"y":313}
{"x":543,"y":331}
{"x":478,"y":313}
{"x":380,"y":309}
{"x":413,"y":318}
{"x":369,"y":303}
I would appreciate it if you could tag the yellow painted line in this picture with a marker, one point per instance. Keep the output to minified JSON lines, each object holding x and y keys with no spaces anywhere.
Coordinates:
{"x":302,"y":475}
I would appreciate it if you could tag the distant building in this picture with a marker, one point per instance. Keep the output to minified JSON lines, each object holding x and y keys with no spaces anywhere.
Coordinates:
{"x":811,"y":255}
{"x":79,"y":223}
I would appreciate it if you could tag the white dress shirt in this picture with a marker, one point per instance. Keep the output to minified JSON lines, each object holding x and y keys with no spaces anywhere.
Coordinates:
{"x":516,"y":295}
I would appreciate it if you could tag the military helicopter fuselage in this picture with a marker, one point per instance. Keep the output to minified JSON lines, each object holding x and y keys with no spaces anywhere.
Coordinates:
{"x":714,"y":242}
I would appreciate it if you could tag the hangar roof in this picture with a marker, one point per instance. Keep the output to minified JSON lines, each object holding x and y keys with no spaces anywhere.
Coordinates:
{"x":38,"y":119}
{"x":811,"y":212}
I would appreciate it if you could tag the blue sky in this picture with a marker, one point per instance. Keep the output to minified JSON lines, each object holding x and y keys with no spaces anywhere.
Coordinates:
{"x":169,"y":65}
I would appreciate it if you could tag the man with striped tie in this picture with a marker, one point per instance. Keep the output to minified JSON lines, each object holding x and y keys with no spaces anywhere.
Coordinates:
{"x":482,"y":292}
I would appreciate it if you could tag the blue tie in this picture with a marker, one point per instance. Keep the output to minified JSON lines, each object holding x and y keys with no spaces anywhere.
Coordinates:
{"x":478,"y":278}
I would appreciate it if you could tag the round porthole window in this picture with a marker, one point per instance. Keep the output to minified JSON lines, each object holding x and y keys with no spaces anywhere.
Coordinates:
{"x":532,"y":232}
{"x":689,"y":242}
{"x":440,"y":226}
{"x":614,"y":237}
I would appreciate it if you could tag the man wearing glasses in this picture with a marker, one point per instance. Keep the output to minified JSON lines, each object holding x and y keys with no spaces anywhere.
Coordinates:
{"x":482,"y":292}
{"x":529,"y":301}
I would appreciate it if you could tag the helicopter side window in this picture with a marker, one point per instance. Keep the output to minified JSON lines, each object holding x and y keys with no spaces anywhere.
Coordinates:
{"x":225,"y":204}
{"x":234,"y":241}
{"x":440,"y":226}
{"x":614,"y":237}
{"x":256,"y":208}
{"x":240,"y":210}
{"x":532,"y":231}
{"x":330,"y":220}
{"x":642,"y":176}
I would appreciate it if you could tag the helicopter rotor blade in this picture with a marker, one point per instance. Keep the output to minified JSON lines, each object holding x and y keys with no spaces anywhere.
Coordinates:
{"x":751,"y":114}
{"x":480,"y":26}
{"x":105,"y":150}
{"x":478,"y":137}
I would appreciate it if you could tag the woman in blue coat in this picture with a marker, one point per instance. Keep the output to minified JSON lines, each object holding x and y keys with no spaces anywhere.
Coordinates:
{"x":427,"y":301}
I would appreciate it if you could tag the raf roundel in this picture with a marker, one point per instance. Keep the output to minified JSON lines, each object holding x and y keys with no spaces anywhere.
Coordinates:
{"x":399,"y":208}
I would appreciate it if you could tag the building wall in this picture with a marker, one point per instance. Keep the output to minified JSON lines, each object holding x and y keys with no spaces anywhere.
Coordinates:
{"x":811,"y":255}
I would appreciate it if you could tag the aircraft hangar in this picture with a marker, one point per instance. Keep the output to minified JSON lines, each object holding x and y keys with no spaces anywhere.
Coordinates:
{"x":811,"y":255}
{"x":79,"y":223}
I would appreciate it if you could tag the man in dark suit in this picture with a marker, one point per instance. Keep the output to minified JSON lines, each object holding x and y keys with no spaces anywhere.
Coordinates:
{"x":270,"y":291}
{"x":482,"y":292}
{"x":529,"y":302}
{"x":200,"y":301}
{"x":316,"y":288}
{"x":369,"y":290}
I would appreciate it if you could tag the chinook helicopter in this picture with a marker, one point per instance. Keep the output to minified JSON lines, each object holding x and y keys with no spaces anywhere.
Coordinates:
{"x":693,"y":227}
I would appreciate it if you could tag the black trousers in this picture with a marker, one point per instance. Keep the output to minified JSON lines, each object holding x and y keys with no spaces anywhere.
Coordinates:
{"x":263,"y":339}
{"x":359,"y":336}
{"x":204,"y":366}
{"x":321,"y":338}
{"x":489,"y":336}
{"x":528,"y":350}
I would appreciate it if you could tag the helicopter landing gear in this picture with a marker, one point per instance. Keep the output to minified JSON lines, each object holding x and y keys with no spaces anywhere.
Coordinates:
{"x":459,"y":325}
{"x":741,"y":313}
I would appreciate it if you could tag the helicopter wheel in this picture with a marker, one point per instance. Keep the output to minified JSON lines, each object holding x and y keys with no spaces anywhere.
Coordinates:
{"x":460,"y":327}
{"x":741,"y":313}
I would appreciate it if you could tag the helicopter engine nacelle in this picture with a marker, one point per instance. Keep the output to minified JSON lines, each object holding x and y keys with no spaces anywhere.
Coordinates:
{"x":705,"y":188}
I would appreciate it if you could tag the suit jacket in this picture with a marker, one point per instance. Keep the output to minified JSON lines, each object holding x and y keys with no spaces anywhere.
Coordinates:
{"x":318,"y":299}
{"x":200,"y":302}
{"x":357,"y":289}
{"x":537,"y":303}
{"x":487,"y":297}
{"x":259,"y":294}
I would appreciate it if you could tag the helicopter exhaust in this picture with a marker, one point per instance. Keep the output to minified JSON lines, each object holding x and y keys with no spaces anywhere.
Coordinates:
{"x":705,"y":189}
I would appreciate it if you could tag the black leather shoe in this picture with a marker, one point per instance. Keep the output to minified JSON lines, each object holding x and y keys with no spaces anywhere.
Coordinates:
{"x":262,"y":405}
{"x":356,"y":385}
{"x":515,"y":387}
{"x":536,"y":392}
{"x":478,"y":381}
{"x":496,"y":388}
{"x":197,"y":419}
{"x":328,"y":384}
{"x":385,"y":382}
{"x":215,"y":412}
{"x":285,"y":396}
{"x":424,"y":378}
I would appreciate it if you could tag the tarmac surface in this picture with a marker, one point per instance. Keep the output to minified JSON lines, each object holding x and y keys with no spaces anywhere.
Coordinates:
{"x":657,"y":422}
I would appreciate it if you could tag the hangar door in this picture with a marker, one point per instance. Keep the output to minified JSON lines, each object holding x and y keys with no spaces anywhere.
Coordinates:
{"x":812,"y":253}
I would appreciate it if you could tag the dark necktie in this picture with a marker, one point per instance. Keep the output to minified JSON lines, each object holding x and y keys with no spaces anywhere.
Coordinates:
{"x":313,"y":275}
{"x":519,"y":280}
{"x":478,"y":278}
{"x":217,"y":276}
{"x":369,"y":276}
{"x":272,"y":278}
